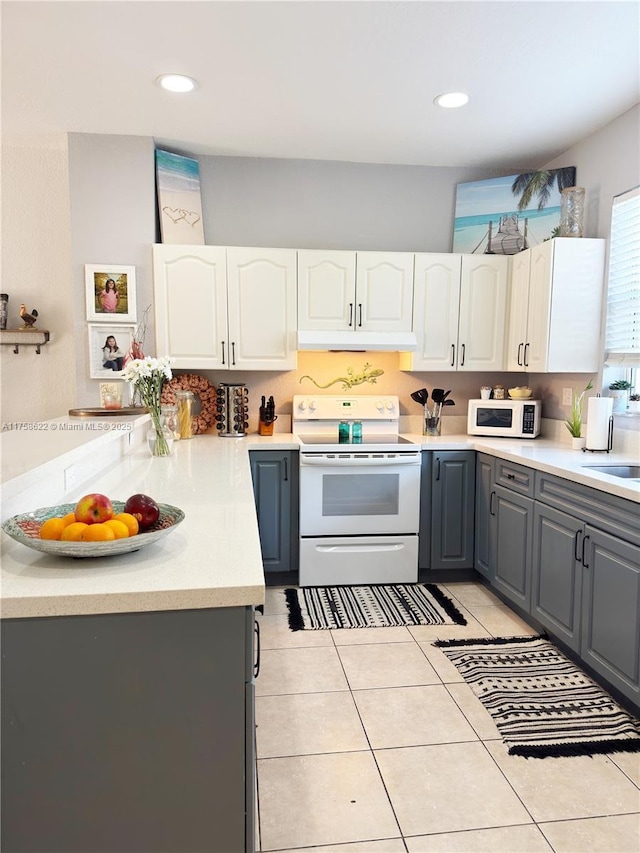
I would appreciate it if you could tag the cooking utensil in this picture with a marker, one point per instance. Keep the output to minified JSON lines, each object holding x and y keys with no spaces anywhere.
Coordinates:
{"x":420,"y":396}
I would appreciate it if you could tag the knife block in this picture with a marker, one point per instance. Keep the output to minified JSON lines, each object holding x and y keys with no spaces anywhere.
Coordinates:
{"x":265,"y":428}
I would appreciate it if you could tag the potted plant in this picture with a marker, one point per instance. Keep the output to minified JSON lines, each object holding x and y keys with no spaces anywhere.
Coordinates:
{"x":620,"y":392}
{"x":634,"y":403}
{"x":574,"y":423}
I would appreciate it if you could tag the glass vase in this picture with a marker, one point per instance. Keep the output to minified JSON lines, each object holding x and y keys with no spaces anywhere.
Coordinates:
{"x":159,"y":436}
{"x":572,"y":212}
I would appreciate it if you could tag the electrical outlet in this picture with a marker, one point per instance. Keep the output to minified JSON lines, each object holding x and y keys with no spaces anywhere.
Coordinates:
{"x":70,"y":478}
{"x":567,"y":396}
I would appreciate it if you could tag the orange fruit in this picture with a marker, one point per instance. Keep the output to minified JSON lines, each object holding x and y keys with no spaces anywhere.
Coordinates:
{"x":69,"y":518}
{"x":52,"y":528}
{"x":98,"y":532}
{"x":73,"y":532}
{"x":129,"y":520}
{"x":119,"y":528}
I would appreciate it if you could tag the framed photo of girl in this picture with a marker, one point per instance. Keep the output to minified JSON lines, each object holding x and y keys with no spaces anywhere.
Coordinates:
{"x":108,"y":346}
{"x":110,"y":293}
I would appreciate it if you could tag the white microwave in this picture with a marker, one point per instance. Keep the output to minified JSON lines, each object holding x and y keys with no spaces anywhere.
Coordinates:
{"x":504,"y":418}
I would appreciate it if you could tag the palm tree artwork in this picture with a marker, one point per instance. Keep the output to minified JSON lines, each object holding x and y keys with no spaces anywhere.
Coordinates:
{"x":507,"y":214}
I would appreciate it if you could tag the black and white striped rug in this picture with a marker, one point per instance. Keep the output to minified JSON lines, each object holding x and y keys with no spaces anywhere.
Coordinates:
{"x":382,"y":606}
{"x":541,"y":702}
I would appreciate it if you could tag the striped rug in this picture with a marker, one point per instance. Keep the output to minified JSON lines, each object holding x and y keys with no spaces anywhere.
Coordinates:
{"x":382,"y":606}
{"x":541,"y":702}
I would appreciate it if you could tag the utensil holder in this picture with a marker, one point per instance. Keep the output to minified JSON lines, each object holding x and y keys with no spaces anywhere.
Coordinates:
{"x":432,"y":425}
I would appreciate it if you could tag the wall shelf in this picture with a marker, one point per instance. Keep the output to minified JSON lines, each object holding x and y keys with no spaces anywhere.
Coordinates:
{"x":24,"y":337}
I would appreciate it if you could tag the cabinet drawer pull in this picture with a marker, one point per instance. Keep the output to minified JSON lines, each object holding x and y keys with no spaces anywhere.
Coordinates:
{"x":576,"y":545}
{"x":256,"y":664}
{"x":520,"y":346}
{"x":511,"y":476}
{"x":585,"y":539}
{"x":223,"y":361}
{"x":351,"y":313}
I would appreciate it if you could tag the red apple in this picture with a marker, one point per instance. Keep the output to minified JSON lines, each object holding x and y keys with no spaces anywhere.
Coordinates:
{"x":144,"y":508}
{"x":94,"y":508}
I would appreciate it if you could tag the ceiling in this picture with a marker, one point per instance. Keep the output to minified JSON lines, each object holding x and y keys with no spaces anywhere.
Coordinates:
{"x":351,"y":81}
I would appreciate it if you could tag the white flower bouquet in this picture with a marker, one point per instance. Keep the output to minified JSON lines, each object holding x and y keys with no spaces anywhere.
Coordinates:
{"x":146,"y":376}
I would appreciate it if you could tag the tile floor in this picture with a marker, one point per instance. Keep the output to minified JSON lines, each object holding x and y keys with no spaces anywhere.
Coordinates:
{"x":369,"y":741}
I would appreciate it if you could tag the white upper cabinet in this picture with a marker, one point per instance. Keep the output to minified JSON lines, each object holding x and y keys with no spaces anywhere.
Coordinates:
{"x":223,"y":308}
{"x":560,"y":332}
{"x":355,"y":291}
{"x":326,"y":290}
{"x":262,"y":308}
{"x":459,"y":312}
{"x":190,"y":289}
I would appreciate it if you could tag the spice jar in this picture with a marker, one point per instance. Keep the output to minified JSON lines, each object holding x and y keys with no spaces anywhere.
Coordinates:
{"x":185,"y":405}
{"x":498,"y":392}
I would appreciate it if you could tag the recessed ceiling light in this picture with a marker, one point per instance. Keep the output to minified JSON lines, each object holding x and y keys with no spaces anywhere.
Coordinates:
{"x":176,"y":83}
{"x":451,"y":100}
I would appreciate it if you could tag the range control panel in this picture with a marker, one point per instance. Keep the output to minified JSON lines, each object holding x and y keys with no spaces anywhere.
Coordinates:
{"x":334,"y":407}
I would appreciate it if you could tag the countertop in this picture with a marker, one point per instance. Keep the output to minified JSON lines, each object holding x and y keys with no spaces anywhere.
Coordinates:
{"x":213,"y":558}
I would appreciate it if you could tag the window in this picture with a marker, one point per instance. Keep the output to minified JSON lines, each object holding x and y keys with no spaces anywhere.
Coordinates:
{"x":623,"y":298}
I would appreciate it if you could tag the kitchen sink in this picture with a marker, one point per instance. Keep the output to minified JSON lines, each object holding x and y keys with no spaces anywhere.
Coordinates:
{"x":629,"y":472}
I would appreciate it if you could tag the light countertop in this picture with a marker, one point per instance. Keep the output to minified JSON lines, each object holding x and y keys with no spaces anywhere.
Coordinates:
{"x":213,"y":558}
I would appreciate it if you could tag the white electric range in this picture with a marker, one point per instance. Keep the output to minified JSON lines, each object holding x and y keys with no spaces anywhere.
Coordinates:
{"x":359,"y":500}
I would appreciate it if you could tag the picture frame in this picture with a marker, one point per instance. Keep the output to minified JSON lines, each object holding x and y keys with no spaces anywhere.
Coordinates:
{"x":99,"y":333}
{"x":110,"y":292}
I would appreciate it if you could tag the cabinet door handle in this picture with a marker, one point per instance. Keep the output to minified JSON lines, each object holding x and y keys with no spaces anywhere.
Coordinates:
{"x":233,"y":353}
{"x":464,"y":346}
{"x":520,"y":346}
{"x":585,"y":539}
{"x":286,"y":469}
{"x":491,"y":497}
{"x":223,"y":361}
{"x":576,"y":545}
{"x":453,"y":354}
{"x":526,"y":354}
{"x":360,"y":314}
{"x":511,"y":476}
{"x":437,"y":468}
{"x":256,"y":663}
{"x":351,"y":313}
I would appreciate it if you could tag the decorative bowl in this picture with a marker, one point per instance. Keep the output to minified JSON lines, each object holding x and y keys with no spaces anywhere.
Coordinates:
{"x":520,"y":393}
{"x":25,"y":528}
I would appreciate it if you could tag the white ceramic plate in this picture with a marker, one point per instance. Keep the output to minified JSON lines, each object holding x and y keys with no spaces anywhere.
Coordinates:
{"x":25,"y":528}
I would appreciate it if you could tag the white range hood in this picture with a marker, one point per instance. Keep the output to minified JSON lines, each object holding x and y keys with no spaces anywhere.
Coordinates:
{"x":357,"y":341}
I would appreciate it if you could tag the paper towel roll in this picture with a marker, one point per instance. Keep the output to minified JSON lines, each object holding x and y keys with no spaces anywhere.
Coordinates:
{"x":598,"y":418}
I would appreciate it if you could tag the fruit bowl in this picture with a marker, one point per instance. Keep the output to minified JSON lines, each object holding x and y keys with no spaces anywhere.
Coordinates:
{"x":520,"y":393}
{"x":25,"y":528}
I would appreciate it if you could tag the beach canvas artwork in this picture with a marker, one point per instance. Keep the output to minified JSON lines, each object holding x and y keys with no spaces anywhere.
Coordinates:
{"x":504,"y":216}
{"x":179,"y":202}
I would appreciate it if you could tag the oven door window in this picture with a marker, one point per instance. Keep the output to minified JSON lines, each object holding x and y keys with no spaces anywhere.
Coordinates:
{"x":355,"y":494}
{"x":495,"y":418}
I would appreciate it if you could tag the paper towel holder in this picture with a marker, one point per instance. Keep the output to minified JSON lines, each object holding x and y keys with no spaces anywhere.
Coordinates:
{"x":609,"y":446}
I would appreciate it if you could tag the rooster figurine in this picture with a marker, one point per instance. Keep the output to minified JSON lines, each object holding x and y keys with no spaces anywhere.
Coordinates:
{"x":27,"y":319}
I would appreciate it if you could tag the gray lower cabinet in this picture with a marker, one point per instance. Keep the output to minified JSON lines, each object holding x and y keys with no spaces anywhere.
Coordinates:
{"x":452,"y":509}
{"x":611,"y":610}
{"x":485,"y":521}
{"x":557,"y":573}
{"x":424,"y":540}
{"x":275,"y":476}
{"x":129,"y":732}
{"x":513,"y":542}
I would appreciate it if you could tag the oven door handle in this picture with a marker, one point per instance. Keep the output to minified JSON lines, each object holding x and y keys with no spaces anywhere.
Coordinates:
{"x":368,"y":462}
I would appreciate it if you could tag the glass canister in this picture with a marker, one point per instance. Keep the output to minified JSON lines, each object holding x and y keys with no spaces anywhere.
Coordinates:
{"x":185,"y":406}
{"x":344,"y":432}
{"x":4,"y":306}
{"x":170,"y":418}
{"x":356,"y":432}
{"x":572,"y":212}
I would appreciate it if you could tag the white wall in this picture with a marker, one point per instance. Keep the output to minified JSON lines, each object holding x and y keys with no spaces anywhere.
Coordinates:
{"x":36,"y":239}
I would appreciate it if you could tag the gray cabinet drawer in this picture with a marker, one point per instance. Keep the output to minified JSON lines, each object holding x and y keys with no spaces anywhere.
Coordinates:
{"x":614,"y":515}
{"x":516,"y":477}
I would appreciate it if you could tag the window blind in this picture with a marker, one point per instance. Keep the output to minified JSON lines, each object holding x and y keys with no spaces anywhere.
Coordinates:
{"x":623,"y":295}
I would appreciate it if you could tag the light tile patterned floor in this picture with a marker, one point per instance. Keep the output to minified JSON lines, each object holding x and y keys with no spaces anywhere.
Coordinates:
{"x":369,"y":741}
